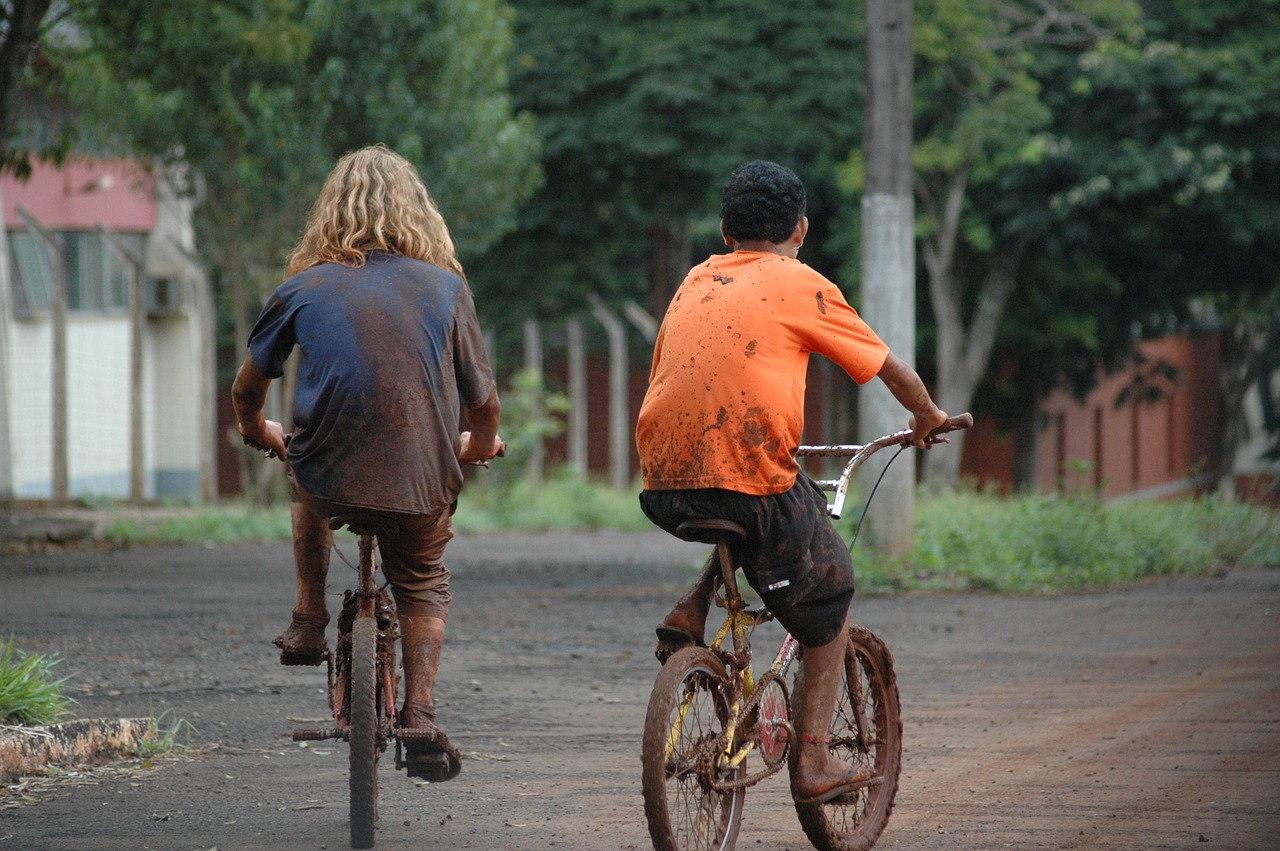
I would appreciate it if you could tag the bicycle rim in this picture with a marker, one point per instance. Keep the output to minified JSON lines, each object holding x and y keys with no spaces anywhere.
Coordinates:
{"x":855,"y":821}
{"x":364,"y":732}
{"x":688,"y":709}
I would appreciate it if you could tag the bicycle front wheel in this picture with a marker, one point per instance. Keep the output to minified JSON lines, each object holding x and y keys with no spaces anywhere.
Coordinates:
{"x":688,"y":711}
{"x":866,"y":732}
{"x":364,"y":732}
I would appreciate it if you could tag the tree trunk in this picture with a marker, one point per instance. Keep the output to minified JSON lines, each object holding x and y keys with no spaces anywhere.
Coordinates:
{"x":963,"y":353}
{"x":20,"y":37}
{"x":1026,"y":442}
{"x":672,"y":259}
{"x":1238,"y":369}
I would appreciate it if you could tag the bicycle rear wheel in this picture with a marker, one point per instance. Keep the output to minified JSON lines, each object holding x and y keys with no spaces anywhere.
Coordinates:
{"x":364,"y":732}
{"x":688,"y":710}
{"x":866,"y":731}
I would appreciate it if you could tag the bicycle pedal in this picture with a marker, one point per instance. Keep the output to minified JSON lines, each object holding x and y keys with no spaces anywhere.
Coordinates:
{"x":417,"y":734}
{"x":315,"y":734}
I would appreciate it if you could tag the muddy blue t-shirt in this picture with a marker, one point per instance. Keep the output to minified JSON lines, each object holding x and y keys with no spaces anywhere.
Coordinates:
{"x":390,"y":353}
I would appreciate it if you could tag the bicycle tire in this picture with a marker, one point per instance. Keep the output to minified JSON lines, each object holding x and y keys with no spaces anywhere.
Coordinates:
{"x":855,"y":821}
{"x":364,"y":732}
{"x":683,"y":812}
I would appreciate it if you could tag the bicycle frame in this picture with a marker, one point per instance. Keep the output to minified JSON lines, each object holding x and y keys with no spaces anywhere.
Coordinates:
{"x":739,"y":621}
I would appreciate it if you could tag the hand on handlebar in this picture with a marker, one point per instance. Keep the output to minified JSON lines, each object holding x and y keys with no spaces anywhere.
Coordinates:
{"x":270,"y":440}
{"x":469,"y":453}
{"x":960,"y":421}
{"x":923,"y":427}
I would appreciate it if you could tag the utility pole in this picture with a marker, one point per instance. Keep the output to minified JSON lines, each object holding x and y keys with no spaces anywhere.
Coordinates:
{"x":888,"y":261}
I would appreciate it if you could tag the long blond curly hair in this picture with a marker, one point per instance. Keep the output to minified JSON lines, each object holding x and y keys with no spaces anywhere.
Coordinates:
{"x":373,"y":200}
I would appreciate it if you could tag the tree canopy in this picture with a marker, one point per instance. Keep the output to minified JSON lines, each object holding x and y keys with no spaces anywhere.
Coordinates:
{"x":644,"y":108}
{"x":255,"y":100}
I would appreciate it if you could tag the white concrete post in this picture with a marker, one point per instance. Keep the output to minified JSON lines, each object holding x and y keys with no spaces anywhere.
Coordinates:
{"x":577,"y":436}
{"x":619,"y":413}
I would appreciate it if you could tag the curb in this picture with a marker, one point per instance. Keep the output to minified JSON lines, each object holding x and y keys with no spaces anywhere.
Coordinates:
{"x":42,"y":529}
{"x":24,"y":750}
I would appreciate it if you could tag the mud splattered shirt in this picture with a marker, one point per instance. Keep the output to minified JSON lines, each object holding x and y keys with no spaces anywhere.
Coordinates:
{"x":389,"y":355}
{"x":725,"y":405}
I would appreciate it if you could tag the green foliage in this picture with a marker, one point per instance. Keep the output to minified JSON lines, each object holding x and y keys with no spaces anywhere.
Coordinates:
{"x":530,"y":416}
{"x":164,"y":734}
{"x":644,"y":108}
{"x":252,"y":102}
{"x":29,"y":693}
{"x":1037,"y":545}
{"x":565,"y":501}
{"x":223,"y":523}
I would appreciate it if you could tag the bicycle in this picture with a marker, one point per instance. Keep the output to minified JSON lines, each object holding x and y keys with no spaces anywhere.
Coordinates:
{"x":708,"y":712}
{"x":362,"y":679}
{"x":363,"y":683}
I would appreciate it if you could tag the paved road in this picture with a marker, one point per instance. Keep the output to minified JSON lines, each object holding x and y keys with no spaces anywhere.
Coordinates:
{"x":1147,"y":718}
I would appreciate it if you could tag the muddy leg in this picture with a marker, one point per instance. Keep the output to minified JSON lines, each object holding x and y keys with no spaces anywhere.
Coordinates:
{"x":312,"y":543}
{"x":303,"y":642}
{"x":816,"y":772}
{"x":688,"y":618}
{"x":422,"y":642}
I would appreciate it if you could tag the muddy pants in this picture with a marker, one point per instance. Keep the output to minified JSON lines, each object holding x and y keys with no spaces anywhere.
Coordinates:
{"x":412,"y":549}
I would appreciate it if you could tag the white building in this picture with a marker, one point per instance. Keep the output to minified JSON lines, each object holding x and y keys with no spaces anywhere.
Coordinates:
{"x":83,"y":410}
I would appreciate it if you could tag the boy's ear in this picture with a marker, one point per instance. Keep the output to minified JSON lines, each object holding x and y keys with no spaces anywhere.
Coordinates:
{"x":728,"y":240}
{"x":801,"y":231}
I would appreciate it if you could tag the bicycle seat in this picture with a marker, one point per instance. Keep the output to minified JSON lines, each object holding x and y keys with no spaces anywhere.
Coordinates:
{"x":360,"y":522}
{"x":710,"y":531}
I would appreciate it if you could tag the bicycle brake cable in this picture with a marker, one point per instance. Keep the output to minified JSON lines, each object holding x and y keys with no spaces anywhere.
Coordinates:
{"x":866,"y":507}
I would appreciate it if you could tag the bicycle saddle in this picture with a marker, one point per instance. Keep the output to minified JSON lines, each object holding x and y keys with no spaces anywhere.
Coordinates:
{"x":361,"y":521}
{"x":710,"y":531}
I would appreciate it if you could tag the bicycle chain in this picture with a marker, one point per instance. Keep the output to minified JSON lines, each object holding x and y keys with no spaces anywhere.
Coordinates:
{"x":716,"y":747}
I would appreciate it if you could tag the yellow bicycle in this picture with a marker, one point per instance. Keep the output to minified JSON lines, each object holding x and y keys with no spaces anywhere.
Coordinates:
{"x":708,"y":713}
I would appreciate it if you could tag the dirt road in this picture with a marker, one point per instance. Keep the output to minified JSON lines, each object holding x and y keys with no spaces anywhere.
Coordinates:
{"x":1147,"y":718}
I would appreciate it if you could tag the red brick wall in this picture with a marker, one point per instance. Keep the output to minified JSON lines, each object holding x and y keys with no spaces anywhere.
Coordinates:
{"x":1142,"y":447}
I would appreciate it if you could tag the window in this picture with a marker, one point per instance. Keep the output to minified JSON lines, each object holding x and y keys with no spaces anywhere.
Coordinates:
{"x":97,"y":276}
{"x":29,"y":269}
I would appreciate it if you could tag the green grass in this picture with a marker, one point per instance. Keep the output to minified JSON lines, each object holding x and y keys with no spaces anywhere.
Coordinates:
{"x":30,"y":695}
{"x":964,"y":541}
{"x":564,"y":502}
{"x":1038,"y":545}
{"x":164,"y":734}
{"x":224,"y":523}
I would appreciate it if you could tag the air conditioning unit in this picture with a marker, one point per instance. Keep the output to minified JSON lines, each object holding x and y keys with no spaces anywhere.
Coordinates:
{"x":164,"y":297}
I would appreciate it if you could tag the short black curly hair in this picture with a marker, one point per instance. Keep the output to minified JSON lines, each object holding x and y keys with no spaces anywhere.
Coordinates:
{"x":762,"y":201}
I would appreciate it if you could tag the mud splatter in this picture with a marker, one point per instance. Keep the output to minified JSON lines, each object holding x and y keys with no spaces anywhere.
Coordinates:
{"x":722,"y":279}
{"x":822,"y":304}
{"x":722,"y":416}
{"x":751,"y":349}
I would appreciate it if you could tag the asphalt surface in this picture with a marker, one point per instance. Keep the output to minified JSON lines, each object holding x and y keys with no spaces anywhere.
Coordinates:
{"x":1142,"y":718}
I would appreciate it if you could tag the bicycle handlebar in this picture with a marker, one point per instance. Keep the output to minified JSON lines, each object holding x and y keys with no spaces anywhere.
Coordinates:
{"x":859,"y":453}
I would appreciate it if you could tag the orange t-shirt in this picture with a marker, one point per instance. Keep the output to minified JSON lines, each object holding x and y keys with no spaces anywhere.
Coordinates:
{"x":725,"y":405}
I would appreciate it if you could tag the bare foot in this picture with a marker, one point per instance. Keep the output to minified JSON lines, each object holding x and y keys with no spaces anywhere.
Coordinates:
{"x":813,"y":784}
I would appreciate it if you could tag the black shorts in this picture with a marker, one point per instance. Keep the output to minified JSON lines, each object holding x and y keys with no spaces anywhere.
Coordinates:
{"x":793,"y":557}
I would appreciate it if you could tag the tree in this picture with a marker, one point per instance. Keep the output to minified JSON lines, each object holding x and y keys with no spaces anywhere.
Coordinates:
{"x":1165,"y":167}
{"x":257,"y":99}
{"x":22,"y":26}
{"x":980,"y":115}
{"x":644,"y":108}
{"x":253,"y":100}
